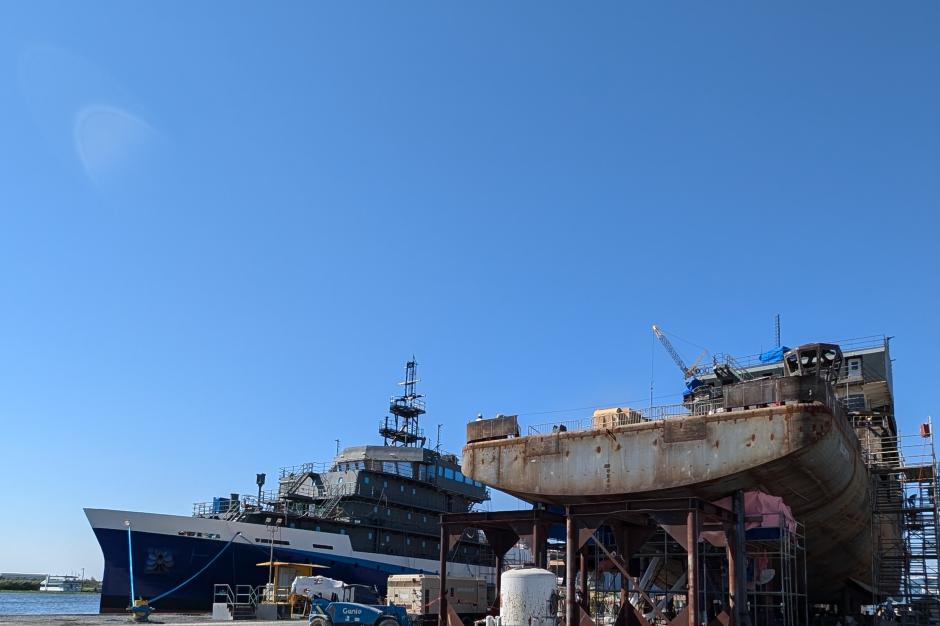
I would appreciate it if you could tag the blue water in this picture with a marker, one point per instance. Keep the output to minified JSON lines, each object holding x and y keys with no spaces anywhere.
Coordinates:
{"x":38,"y":603}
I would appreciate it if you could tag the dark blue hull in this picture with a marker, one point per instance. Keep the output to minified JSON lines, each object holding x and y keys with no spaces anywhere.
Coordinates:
{"x":162,"y":561}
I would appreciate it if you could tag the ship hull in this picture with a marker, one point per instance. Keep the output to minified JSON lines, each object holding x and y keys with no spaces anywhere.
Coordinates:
{"x":168,"y":549}
{"x":801,"y":452}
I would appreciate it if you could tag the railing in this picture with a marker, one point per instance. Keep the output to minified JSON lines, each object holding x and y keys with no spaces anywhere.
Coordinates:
{"x":414,"y":401}
{"x":388,"y":426}
{"x":295,"y":470}
{"x":223,"y":593}
{"x":666,"y":411}
{"x":648,"y":414}
{"x":243,"y":595}
{"x":847,"y":345}
{"x":246,"y":594}
{"x":281,"y":594}
{"x":230,"y":509}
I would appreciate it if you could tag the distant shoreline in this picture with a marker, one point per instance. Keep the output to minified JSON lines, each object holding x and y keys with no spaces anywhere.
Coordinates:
{"x":58,"y":593}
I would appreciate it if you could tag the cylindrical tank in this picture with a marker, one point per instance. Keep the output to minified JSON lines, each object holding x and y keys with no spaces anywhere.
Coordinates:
{"x":528,"y":597}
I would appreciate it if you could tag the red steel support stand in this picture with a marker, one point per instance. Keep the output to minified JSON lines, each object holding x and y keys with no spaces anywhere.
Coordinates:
{"x":692,"y":576}
{"x":571,"y":571}
{"x":445,"y":548}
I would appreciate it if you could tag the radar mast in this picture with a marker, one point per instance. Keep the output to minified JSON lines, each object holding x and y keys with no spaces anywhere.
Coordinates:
{"x":401,"y":427}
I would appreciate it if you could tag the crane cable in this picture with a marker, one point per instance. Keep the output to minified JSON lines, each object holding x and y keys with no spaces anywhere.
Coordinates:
{"x":130,"y":556}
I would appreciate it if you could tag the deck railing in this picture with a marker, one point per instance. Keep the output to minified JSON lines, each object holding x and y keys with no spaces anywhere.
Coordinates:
{"x":647,"y":414}
{"x":303,"y":468}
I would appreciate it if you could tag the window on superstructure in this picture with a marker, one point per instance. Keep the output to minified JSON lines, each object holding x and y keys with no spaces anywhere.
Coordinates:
{"x":448,"y":473}
{"x":853,"y":368}
{"x":365,"y":480}
{"x":855,"y":402}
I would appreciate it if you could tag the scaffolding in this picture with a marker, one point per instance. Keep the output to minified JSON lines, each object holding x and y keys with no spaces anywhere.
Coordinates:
{"x":777,"y":576}
{"x":905,"y":519}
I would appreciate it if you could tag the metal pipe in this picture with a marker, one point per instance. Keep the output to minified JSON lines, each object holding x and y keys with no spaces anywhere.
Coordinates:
{"x":571,"y":571}
{"x":584,"y":583}
{"x":500,"y":561}
{"x":741,"y":615}
{"x":691,"y":536}
{"x":622,"y":617}
{"x":442,"y":592}
{"x":537,"y":541}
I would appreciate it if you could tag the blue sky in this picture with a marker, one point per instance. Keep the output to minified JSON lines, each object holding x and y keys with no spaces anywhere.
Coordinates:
{"x":225,"y":226}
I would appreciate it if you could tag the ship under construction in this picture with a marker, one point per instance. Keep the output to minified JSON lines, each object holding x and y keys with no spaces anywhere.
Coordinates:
{"x":640,"y":490}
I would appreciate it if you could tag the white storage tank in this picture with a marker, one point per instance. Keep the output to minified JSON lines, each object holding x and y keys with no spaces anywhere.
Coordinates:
{"x":528,"y":597}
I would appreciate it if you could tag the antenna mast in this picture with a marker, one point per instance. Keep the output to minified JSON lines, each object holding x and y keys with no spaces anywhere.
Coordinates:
{"x":401,"y":427}
{"x":777,"y":330}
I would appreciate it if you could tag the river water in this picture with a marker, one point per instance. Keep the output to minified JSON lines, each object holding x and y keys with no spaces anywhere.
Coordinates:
{"x":51,"y":603}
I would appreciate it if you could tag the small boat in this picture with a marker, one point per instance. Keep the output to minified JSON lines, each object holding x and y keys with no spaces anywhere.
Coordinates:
{"x":66,"y":584}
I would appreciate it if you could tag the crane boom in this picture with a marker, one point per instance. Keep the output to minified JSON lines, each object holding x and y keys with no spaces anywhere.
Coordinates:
{"x":672,"y":351}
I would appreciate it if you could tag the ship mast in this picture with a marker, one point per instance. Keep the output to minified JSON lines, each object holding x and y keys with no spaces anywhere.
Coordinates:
{"x":401,"y":427}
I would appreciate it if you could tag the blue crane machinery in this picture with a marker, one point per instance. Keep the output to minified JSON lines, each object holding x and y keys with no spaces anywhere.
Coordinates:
{"x":688,"y":373}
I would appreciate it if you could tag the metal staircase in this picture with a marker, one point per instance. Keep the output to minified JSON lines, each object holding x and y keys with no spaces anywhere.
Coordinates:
{"x":240,"y":603}
{"x":905,"y":521}
{"x":328,"y":509}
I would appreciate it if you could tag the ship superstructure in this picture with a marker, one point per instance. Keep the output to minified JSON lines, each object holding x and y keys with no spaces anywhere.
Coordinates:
{"x":371,"y":512}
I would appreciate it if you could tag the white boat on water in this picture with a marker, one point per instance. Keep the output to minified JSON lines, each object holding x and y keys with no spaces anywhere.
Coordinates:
{"x":67,"y":584}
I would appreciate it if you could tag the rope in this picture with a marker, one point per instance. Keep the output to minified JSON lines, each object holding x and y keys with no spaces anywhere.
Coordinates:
{"x":204,"y":568}
{"x":130,"y":558}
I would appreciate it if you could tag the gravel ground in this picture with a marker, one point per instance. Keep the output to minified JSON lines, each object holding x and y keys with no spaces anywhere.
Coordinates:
{"x":106,"y":620}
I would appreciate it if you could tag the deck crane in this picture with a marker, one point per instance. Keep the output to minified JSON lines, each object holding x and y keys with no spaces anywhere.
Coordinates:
{"x":688,"y":373}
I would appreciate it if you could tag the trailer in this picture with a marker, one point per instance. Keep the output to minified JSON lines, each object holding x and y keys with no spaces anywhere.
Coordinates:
{"x":419,"y":595}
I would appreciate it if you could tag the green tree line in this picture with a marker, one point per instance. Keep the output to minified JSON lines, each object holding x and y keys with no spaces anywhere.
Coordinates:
{"x":18,"y":584}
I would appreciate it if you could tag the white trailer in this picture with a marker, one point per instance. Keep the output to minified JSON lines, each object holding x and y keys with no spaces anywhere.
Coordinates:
{"x":419,"y":594}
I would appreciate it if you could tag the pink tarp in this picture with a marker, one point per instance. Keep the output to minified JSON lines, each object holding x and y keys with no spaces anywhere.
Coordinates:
{"x":761,"y":510}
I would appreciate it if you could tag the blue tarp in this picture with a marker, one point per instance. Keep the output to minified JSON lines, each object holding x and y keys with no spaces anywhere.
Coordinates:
{"x":773,"y":356}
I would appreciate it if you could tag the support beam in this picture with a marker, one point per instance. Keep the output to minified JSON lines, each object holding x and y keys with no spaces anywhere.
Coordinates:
{"x":626,"y":609}
{"x":585,"y":604}
{"x":442,"y":594}
{"x":500,"y":563}
{"x":692,"y":573}
{"x":571,"y":572}
{"x":538,"y":540}
{"x":739,"y":614}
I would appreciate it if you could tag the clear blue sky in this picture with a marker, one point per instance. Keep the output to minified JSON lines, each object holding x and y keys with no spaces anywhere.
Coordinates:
{"x":225,"y":226}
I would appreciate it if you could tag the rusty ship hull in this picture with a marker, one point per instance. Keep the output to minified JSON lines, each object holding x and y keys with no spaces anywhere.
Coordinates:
{"x":806,"y":453}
